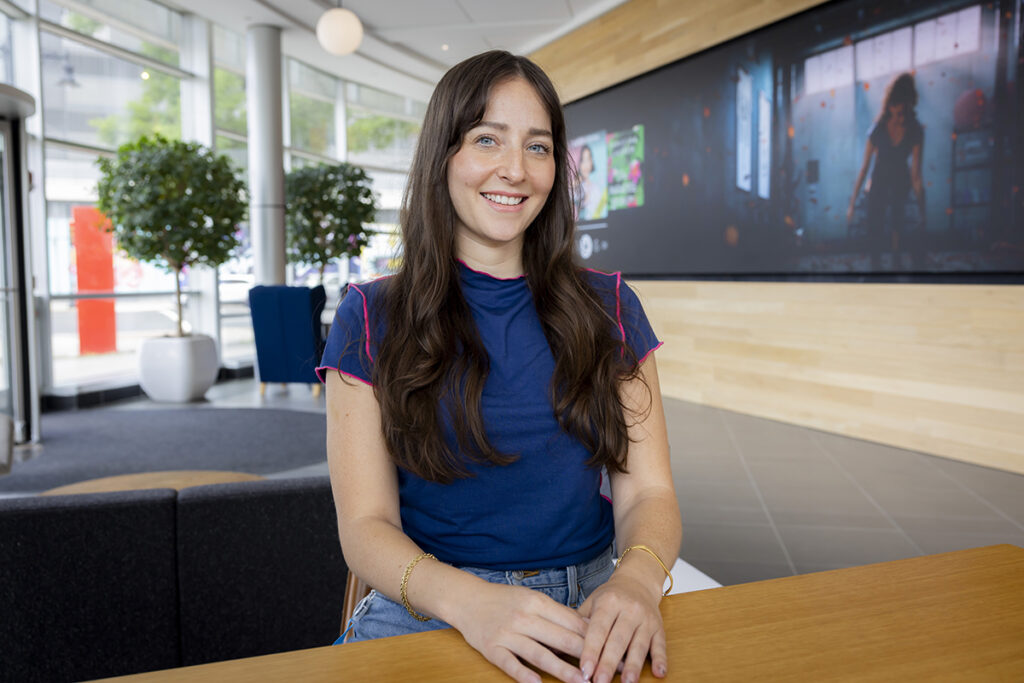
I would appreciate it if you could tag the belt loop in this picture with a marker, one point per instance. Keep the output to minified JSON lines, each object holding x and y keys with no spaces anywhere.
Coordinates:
{"x":574,"y":586}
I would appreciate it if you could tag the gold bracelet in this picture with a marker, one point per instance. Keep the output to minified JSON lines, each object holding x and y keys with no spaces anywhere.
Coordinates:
{"x":655,"y":556}
{"x":405,"y":585}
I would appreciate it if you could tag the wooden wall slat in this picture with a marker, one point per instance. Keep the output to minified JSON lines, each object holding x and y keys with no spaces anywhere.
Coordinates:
{"x":913,"y":366}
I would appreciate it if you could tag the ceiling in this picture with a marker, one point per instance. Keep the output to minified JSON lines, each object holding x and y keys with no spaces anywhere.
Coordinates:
{"x":403,"y":48}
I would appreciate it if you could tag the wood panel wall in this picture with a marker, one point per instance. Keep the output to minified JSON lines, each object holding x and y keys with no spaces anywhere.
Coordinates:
{"x":934,"y":368}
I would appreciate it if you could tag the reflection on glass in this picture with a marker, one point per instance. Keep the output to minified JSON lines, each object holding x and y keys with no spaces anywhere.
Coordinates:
{"x":93,"y":98}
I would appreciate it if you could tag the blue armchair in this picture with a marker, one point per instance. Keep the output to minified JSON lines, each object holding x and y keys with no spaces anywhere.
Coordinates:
{"x":288,"y":333}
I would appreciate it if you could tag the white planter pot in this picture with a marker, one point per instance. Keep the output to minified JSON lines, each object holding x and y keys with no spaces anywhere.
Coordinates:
{"x":177,"y":369}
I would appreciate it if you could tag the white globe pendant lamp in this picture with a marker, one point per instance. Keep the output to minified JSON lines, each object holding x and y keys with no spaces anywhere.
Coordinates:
{"x":339,"y":31}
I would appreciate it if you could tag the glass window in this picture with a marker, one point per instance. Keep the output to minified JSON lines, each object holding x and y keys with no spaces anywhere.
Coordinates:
{"x":829,"y":70}
{"x":229,"y":109}
{"x":138,"y":25}
{"x":384,"y":102}
{"x":6,"y":63}
{"x":311,"y":99}
{"x":380,"y":140}
{"x":93,"y":98}
{"x":228,"y":49}
{"x":72,"y":226}
{"x":97,"y":339}
{"x":236,"y":150}
{"x":951,"y":34}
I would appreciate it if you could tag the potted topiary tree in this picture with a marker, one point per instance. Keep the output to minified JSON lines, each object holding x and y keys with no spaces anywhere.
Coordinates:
{"x":174,"y":204}
{"x":328,"y":209}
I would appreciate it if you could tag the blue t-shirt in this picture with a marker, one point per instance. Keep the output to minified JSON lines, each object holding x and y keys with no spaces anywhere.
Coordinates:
{"x":543,"y":510}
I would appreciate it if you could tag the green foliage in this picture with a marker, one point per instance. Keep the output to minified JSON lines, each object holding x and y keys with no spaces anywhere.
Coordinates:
{"x":328,"y":207}
{"x":157,"y":111}
{"x":312,"y":123}
{"x":172,"y":203}
{"x":366,"y":132}
{"x":229,"y":107}
{"x":81,"y":23}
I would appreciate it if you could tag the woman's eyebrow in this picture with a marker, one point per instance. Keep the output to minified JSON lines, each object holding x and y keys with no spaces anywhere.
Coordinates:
{"x":504,"y":127}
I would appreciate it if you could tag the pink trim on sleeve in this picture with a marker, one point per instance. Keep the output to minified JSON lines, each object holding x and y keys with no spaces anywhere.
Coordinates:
{"x":618,"y":305}
{"x":320,"y":374}
{"x":659,"y":345}
{"x":366,"y":321}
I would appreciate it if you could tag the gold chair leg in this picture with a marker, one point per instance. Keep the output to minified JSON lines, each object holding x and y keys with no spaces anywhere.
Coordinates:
{"x":316,"y":390}
{"x":263,"y":388}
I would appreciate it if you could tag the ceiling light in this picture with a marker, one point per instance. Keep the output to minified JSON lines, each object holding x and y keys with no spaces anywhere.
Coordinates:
{"x":144,"y":75}
{"x":445,"y":47}
{"x":339,"y":31}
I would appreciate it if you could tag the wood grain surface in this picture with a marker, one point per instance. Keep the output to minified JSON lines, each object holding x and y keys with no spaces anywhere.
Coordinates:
{"x":954,"y":616}
{"x":169,"y":479}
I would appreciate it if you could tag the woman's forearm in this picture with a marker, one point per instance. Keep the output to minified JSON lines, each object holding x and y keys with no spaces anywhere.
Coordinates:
{"x":654,"y":521}
{"x":378,"y":552}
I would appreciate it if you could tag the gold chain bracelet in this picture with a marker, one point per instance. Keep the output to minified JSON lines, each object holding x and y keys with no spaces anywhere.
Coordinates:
{"x":405,"y":585}
{"x":655,"y":556}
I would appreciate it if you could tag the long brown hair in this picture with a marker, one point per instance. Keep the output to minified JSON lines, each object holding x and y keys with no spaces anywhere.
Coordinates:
{"x":901,"y":90}
{"x":432,"y":354}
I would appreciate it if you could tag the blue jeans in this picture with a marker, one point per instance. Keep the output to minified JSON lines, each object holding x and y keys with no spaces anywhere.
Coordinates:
{"x":378,"y":616}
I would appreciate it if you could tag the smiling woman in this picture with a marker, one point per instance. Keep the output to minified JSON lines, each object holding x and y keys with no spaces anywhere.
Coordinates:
{"x":500,"y":178}
{"x":495,"y":381}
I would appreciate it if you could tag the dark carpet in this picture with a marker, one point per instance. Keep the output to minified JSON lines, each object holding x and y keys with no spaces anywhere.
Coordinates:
{"x":86,"y":444}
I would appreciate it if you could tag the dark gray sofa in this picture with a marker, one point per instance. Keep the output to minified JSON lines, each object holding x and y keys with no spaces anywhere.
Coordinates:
{"x":109,"y":584}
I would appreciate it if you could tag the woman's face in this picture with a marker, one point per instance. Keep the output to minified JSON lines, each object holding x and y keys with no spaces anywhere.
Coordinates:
{"x":897,"y":113}
{"x":586,"y":162}
{"x":500,"y":178}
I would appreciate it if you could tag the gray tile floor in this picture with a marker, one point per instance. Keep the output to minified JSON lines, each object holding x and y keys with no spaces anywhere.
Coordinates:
{"x":762,"y":499}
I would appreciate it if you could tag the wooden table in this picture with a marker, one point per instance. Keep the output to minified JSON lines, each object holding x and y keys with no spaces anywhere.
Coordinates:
{"x":169,"y":479}
{"x":956,"y":615}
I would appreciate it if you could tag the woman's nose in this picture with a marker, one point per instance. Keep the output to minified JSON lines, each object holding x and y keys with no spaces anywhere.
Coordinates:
{"x":511,"y":168}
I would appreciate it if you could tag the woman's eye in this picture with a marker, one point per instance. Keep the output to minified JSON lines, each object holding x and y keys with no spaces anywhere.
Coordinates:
{"x":538,"y":148}
{"x":485,"y":140}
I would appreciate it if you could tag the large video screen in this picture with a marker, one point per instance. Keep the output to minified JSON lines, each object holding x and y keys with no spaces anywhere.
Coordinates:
{"x":859,"y":137}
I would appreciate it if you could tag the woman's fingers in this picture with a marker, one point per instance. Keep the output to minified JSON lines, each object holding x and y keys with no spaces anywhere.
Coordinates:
{"x":614,"y":649}
{"x":659,"y":653}
{"x":636,"y":655}
{"x":505,"y":660}
{"x":594,"y":642}
{"x":531,"y":651}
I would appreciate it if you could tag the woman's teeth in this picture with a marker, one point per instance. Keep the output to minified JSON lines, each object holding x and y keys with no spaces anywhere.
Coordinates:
{"x":503,"y":199}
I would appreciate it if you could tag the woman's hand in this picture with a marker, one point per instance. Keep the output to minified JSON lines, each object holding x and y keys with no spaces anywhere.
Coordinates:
{"x":507,"y":624}
{"x":624,"y":622}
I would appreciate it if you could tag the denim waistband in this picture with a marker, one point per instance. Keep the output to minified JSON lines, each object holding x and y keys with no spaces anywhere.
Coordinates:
{"x":539,"y":578}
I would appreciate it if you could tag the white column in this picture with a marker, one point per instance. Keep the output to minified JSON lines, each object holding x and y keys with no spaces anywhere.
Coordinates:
{"x":266,"y":153}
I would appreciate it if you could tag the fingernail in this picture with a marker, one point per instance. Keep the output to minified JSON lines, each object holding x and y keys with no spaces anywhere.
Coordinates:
{"x":585,"y":670}
{"x":659,"y":670}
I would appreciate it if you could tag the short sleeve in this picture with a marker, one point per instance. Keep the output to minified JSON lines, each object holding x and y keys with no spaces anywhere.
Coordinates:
{"x":639,"y":334}
{"x":348,"y":343}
